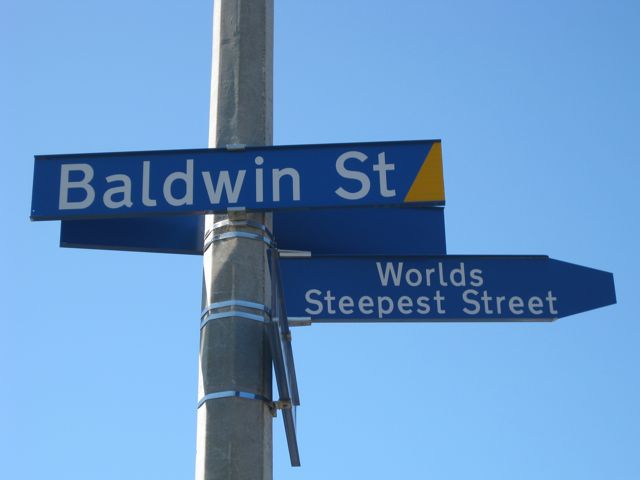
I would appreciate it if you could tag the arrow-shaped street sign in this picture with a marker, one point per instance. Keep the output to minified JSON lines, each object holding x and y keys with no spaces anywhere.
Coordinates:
{"x":447,"y":288}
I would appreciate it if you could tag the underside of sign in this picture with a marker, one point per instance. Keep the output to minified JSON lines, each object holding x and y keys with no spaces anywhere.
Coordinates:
{"x":335,"y":231}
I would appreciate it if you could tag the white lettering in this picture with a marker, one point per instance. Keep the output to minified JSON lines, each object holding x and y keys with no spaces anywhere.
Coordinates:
{"x":516,"y":305}
{"x":467,"y":300}
{"x":309,"y":298}
{"x":439,"y":298}
{"x":124,"y":190}
{"x":365,"y":184}
{"x":146,"y":174}
{"x":499,"y":301}
{"x":535,"y":305}
{"x":476,"y":277}
{"x":486,"y":298}
{"x":84,"y":184}
{"x":383,"y":168}
{"x":223,"y":185}
{"x":423,"y":304}
{"x":462,"y":280}
{"x":395,"y":274}
{"x":405,"y":305}
{"x":345,"y":304}
{"x":550,"y":300}
{"x":443,"y":282}
{"x":295,"y":182}
{"x":365,"y":304}
{"x":429,"y":272}
{"x":329,"y":299}
{"x":187,"y":178}
{"x":416,"y":273}
{"x":259,"y":181}
{"x":382,"y":309}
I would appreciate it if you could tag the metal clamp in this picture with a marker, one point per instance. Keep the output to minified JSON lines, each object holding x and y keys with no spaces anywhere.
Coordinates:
{"x":294,"y":253}
{"x":300,"y":321}
{"x":233,"y":394}
{"x":228,"y":235}
{"x":233,"y":303}
{"x":241,"y":223}
{"x":235,"y":146}
{"x":230,"y":314}
{"x":282,"y":404}
{"x":236,"y":209}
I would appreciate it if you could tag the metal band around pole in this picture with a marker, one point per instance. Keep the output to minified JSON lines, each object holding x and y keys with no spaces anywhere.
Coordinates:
{"x":241,"y":223}
{"x":232,"y":394}
{"x":228,"y":235}
{"x":233,"y":303}
{"x":231,"y":314}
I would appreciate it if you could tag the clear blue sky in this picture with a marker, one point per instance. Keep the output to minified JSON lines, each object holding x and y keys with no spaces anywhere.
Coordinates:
{"x":538,"y":107}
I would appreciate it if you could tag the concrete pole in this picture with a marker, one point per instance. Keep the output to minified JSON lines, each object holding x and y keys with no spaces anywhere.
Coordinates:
{"x":234,"y":429}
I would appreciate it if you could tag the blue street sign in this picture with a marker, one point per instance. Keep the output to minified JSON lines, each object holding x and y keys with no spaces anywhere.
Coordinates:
{"x":85,"y":186}
{"x":448,"y":288}
{"x":336,"y":231}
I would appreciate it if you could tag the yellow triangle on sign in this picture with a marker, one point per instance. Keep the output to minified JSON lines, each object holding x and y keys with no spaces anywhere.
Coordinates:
{"x":428,"y":185}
